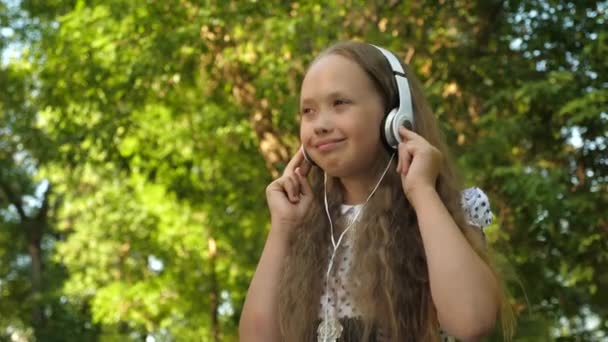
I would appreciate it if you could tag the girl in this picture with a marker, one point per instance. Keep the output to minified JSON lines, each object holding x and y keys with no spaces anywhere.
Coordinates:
{"x":368,"y":242}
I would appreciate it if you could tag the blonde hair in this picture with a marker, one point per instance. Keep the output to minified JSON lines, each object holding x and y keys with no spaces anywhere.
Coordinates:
{"x":393,"y":290}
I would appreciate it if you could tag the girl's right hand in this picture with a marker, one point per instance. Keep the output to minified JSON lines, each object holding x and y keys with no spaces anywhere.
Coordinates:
{"x":290,"y":196}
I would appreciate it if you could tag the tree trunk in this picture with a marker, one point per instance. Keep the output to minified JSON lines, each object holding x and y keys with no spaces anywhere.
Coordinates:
{"x":33,"y":228}
{"x":214,"y":294}
{"x":35,"y":253}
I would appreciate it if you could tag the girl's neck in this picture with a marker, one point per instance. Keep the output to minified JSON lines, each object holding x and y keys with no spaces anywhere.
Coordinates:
{"x":358,"y":186}
{"x":356,"y":189}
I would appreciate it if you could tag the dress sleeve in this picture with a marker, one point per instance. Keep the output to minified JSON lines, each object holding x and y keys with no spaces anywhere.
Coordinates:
{"x":476,"y":207}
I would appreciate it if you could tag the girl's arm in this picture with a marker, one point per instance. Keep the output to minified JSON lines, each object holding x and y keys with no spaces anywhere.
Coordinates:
{"x":259,"y":318}
{"x":289,"y":198}
{"x":463,"y":288}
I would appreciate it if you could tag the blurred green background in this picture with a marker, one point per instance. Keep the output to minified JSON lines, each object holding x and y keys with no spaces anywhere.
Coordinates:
{"x":137,"y":138}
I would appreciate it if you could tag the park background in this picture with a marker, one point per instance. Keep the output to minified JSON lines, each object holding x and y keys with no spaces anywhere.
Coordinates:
{"x":137,"y":138}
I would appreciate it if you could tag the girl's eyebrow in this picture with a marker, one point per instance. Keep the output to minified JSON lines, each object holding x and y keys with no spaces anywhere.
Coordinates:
{"x":331,"y":95}
{"x":337,"y":93}
{"x":306,"y":101}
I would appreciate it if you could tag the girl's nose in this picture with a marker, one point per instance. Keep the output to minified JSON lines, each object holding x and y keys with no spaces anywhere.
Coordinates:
{"x":323,"y":125}
{"x":321,"y":130}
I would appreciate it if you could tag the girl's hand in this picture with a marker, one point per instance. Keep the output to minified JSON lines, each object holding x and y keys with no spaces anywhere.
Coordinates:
{"x":418,"y":162}
{"x":290,"y":196}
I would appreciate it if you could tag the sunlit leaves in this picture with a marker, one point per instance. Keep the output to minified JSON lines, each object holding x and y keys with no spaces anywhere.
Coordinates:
{"x":159,"y":125}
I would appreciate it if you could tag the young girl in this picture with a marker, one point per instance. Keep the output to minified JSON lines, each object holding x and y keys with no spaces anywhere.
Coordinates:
{"x":370,"y":241}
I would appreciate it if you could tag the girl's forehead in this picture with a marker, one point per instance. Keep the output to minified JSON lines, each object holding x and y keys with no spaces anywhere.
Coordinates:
{"x":332,"y":65}
{"x":333,"y":73}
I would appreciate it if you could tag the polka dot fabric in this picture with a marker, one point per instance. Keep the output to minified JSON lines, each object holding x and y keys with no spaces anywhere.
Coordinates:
{"x":337,"y":300}
{"x":476,"y":207}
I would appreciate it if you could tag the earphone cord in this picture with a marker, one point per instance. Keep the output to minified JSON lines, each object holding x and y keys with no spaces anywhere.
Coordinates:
{"x":335,"y":244}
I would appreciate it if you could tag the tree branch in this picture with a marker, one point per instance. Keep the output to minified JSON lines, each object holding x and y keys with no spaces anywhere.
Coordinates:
{"x":14,"y":200}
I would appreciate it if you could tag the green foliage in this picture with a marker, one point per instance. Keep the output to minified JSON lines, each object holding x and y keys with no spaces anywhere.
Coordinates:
{"x":155,"y":126}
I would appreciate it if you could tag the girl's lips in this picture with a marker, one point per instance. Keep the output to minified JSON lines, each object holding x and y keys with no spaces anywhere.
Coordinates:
{"x":328,"y":146}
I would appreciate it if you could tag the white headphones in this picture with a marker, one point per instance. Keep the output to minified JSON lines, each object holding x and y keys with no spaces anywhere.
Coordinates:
{"x":402,"y":115}
{"x":396,"y":117}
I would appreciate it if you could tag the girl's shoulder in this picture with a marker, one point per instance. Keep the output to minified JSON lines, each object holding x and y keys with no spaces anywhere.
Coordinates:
{"x":476,"y":206}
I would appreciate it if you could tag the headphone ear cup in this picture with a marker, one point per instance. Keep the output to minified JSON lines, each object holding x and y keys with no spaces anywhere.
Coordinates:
{"x":389,"y":139}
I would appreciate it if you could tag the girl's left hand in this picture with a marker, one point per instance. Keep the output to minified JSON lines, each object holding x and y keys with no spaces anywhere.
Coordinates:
{"x":418,"y":162}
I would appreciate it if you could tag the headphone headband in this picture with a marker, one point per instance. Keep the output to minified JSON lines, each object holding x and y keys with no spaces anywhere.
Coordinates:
{"x":393,"y":61}
{"x":404,"y":114}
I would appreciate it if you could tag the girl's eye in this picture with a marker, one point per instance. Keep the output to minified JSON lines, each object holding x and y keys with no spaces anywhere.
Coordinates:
{"x":340,"y":102}
{"x":305,"y":111}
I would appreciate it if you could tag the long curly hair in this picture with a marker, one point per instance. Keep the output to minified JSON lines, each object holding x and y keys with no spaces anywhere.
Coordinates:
{"x":389,"y":267}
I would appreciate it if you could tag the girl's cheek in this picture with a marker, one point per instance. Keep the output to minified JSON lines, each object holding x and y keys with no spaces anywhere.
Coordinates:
{"x":304,"y":132}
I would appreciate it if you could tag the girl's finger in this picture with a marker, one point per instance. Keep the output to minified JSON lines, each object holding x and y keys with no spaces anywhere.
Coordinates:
{"x":401,"y":157}
{"x":305,"y":168}
{"x":398,"y":164}
{"x":407,"y":134}
{"x":410,"y":146}
{"x":406,"y":168}
{"x":281,"y":186}
{"x":304,"y":185}
{"x":296,"y":186}
{"x":404,"y":158}
{"x":294,"y":189}
{"x":297,"y":159}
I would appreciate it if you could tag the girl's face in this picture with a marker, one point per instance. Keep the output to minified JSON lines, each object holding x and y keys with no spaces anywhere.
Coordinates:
{"x":341,"y":112}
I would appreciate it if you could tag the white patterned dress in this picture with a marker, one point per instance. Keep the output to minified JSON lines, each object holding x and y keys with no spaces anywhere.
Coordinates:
{"x":477,"y":211}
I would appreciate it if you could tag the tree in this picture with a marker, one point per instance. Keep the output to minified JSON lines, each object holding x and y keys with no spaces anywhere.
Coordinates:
{"x":157,"y":126}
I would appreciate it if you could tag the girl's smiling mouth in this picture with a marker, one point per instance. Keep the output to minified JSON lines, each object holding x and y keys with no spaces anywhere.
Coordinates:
{"x":329,"y":144}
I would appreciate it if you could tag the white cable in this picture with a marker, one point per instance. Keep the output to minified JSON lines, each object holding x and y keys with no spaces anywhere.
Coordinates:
{"x":331,"y":226}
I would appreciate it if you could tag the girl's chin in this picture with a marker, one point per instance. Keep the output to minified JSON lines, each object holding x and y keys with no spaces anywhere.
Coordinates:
{"x":338,"y":171}
{"x":345,"y":170}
